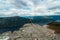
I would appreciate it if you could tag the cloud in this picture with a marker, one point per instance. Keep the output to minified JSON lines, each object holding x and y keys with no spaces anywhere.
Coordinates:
{"x":8,"y":13}
{"x":29,"y":7}
{"x":41,"y":7}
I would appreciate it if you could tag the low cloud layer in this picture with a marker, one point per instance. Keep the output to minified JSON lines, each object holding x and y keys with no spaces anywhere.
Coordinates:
{"x":29,"y":7}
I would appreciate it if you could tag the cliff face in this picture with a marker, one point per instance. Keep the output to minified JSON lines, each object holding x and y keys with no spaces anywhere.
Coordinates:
{"x":31,"y":32}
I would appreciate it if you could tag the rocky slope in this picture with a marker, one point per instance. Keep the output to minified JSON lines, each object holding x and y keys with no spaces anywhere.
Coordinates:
{"x":31,"y":32}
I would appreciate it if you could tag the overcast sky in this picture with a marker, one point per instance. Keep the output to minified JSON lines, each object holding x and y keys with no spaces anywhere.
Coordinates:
{"x":29,"y":7}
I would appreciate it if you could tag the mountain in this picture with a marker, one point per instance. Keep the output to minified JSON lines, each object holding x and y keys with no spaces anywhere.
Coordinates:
{"x":44,"y":19}
{"x":13,"y":21}
{"x":55,"y":17}
{"x":40,"y":19}
{"x":20,"y":21}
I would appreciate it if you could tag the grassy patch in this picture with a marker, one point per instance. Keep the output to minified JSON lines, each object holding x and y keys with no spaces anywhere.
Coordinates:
{"x":56,"y":28}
